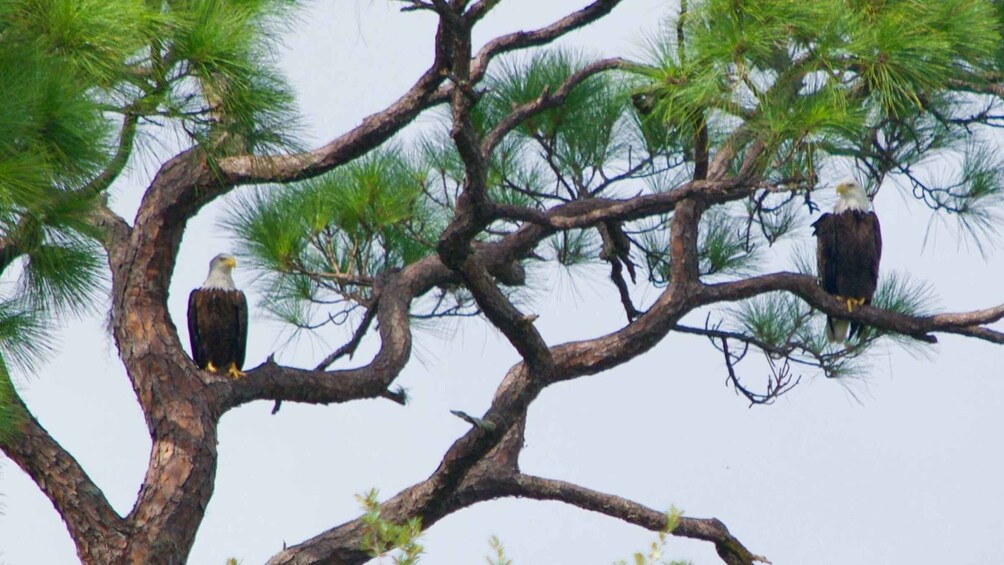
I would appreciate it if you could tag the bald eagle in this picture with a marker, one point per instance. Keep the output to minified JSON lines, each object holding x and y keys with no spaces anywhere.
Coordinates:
{"x":218,"y":320}
{"x":848,"y":249}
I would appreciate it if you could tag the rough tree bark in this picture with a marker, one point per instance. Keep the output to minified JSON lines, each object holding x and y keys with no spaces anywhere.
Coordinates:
{"x":182,"y":405}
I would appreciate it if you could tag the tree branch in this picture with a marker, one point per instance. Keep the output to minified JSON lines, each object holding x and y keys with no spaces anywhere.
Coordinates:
{"x":271,"y":381}
{"x":479,"y":10}
{"x":373,"y":131}
{"x":94,"y":526}
{"x":546,"y":101}
{"x":713,"y":530}
{"x":592,"y":211}
{"x":116,"y":231}
{"x":516,"y":326}
{"x":541,"y":36}
{"x":357,"y":337}
{"x":806,"y":287}
{"x":118,"y":162}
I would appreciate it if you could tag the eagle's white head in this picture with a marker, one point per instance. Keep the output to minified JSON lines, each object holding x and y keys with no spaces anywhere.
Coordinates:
{"x":851,"y":197}
{"x":219,"y":273}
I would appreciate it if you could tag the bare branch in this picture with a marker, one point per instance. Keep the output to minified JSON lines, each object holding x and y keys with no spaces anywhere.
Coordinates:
{"x":542,"y":36}
{"x":729,"y":548}
{"x":780,"y":381}
{"x":93,"y":523}
{"x":592,"y":211}
{"x":374,"y":130}
{"x":350,"y":347}
{"x":479,"y":10}
{"x":516,"y":326}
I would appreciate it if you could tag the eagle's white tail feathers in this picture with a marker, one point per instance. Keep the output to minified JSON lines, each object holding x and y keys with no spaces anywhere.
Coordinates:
{"x":836,"y":330}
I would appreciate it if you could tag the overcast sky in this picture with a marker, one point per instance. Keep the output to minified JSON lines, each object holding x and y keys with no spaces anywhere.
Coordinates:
{"x":903,"y":465}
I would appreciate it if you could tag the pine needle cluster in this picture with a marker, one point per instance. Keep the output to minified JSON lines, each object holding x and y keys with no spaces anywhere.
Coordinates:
{"x":81,"y":78}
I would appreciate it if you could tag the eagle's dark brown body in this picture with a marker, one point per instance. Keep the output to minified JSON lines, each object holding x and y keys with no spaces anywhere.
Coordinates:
{"x":218,"y":327}
{"x":848,"y":250}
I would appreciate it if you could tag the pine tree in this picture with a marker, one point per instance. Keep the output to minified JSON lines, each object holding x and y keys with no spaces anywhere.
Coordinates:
{"x":680,"y":171}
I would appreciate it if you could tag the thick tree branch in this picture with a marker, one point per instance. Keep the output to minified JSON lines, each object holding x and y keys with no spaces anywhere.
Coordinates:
{"x":274,"y":382}
{"x":684,"y":267}
{"x":271,"y":381}
{"x":373,"y":131}
{"x":181,"y":416}
{"x":516,"y":326}
{"x":94,"y":526}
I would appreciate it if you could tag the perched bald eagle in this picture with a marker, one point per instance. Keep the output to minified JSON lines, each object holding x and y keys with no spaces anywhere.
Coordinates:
{"x":218,"y":320}
{"x":848,"y":249}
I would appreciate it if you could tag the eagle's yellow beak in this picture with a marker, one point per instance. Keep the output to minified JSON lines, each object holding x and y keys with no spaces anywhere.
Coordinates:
{"x":841,"y":188}
{"x":230,"y":262}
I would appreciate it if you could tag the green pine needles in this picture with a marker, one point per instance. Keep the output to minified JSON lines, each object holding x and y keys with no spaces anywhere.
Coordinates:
{"x":384,"y":537}
{"x":89,"y":75}
{"x":328,"y":238}
{"x":785,"y":91}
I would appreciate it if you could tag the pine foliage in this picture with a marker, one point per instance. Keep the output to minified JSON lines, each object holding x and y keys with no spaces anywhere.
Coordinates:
{"x":88,"y":74}
{"x":328,"y":238}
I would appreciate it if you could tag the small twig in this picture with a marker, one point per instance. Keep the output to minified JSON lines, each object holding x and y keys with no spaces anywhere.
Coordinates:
{"x":347,"y":349}
{"x":350,"y":347}
{"x":479,"y":423}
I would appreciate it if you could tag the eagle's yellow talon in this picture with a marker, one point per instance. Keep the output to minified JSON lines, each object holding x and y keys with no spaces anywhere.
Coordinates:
{"x":852,"y":302}
{"x":211,"y":368}
{"x":234,"y":372}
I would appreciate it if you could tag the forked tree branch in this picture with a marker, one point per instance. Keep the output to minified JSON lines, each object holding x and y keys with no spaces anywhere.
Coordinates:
{"x":479,"y":10}
{"x":182,"y":404}
{"x":435,"y":497}
{"x":445,"y":489}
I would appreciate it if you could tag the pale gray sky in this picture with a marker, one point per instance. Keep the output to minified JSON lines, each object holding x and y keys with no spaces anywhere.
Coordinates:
{"x":910,"y":474}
